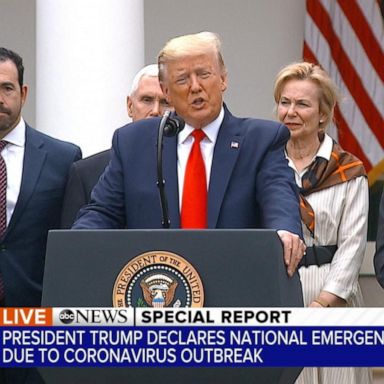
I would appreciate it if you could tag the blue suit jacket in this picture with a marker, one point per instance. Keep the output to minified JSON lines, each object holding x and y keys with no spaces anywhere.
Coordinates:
{"x":22,"y":249}
{"x":251,"y":185}
{"x":83,"y":176}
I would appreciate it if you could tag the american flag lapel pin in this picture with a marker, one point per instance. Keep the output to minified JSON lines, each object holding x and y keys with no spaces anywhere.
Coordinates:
{"x":235,"y":144}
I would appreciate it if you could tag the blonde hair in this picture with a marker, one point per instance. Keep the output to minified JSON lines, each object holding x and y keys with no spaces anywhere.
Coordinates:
{"x":187,"y":45}
{"x":329,"y":94}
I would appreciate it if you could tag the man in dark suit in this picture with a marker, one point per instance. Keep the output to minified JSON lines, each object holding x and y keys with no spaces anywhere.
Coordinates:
{"x":145,"y":100}
{"x":249,"y":182}
{"x":379,"y":254}
{"x":36,"y":168}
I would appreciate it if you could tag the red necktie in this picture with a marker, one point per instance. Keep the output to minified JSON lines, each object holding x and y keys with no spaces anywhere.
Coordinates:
{"x":3,"y":205}
{"x":194,"y":204}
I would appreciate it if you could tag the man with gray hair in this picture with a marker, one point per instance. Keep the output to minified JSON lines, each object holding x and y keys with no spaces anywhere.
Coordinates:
{"x":145,"y":100}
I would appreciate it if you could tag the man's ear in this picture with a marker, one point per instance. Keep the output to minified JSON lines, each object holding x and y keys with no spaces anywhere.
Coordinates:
{"x":224,"y":81}
{"x":24,"y":93}
{"x":129,"y":106}
{"x":165,"y":91}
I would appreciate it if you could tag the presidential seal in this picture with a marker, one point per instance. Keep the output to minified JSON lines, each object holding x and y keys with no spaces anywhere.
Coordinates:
{"x":158,"y":279}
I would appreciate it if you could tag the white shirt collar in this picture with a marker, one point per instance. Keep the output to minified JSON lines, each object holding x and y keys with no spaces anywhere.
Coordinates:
{"x":17,"y":135}
{"x":211,"y":130}
{"x":325,"y":148}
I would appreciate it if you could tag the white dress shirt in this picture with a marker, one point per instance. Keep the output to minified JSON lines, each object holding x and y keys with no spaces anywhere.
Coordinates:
{"x":13,"y":155}
{"x":207,"y":145}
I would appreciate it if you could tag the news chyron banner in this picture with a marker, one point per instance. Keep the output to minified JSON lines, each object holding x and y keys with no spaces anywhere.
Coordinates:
{"x":190,"y":337}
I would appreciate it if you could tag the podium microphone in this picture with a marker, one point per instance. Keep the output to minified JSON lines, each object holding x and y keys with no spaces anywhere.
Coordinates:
{"x":170,"y":125}
{"x":173,"y":125}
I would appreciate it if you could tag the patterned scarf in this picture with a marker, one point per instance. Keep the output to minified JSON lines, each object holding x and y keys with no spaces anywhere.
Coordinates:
{"x":321,"y":174}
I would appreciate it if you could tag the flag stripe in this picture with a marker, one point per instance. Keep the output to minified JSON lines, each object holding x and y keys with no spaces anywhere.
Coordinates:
{"x":350,"y":76}
{"x":372,"y":13}
{"x":346,"y":37}
{"x":357,"y":55}
{"x":308,"y":54}
{"x":350,"y":109}
{"x":364,"y":33}
{"x":353,"y":131}
{"x":348,"y":139}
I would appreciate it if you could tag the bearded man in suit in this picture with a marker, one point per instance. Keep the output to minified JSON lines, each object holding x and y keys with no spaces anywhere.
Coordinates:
{"x":34,"y":168}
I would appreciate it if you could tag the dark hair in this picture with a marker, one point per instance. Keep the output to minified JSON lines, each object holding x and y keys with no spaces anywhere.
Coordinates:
{"x":7,"y":54}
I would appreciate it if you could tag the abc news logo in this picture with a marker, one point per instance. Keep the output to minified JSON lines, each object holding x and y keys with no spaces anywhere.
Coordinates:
{"x":94,"y":316}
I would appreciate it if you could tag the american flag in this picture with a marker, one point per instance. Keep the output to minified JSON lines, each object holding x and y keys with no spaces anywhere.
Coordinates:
{"x":346,"y":37}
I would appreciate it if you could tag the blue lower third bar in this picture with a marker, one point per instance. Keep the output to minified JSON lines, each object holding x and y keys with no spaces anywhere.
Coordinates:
{"x":185,"y":346}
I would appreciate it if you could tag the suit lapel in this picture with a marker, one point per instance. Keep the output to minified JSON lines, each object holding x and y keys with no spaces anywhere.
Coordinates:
{"x":227,"y":149}
{"x":34,"y":157}
{"x":171,"y":179}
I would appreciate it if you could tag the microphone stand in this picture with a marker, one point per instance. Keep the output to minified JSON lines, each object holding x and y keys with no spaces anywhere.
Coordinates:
{"x":160,"y":180}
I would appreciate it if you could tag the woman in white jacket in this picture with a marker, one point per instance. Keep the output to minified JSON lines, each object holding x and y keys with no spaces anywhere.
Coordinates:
{"x":334,"y":201}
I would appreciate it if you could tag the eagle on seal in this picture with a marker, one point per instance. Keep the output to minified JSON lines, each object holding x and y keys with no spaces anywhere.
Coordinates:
{"x":158,"y":290}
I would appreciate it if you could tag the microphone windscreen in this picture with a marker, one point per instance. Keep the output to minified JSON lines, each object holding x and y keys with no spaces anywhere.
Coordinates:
{"x":173,"y":125}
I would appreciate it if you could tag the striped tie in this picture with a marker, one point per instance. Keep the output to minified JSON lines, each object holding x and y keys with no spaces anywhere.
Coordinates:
{"x":3,"y":206}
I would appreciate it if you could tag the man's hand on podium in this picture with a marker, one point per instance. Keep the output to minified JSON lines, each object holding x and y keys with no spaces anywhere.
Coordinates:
{"x":294,"y":249}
